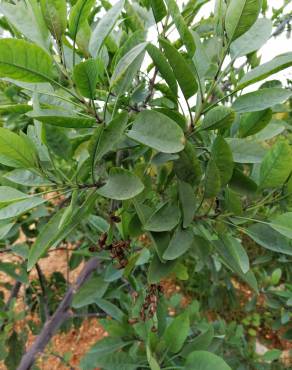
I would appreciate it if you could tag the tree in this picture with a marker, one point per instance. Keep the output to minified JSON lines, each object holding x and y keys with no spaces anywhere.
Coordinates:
{"x":152,"y":160}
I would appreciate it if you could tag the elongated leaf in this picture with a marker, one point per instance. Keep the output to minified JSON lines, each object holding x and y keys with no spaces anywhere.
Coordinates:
{"x":242,"y":183}
{"x":62,"y":119}
{"x":159,"y":270}
{"x":260,"y":100}
{"x":237,"y":251}
{"x":217,"y":118}
{"x":202,"y":360}
{"x":267,"y":237}
{"x":111,"y":309}
{"x":5,"y":228}
{"x":26,"y":17}
{"x":110,"y":136}
{"x":276,"y":166}
{"x":246,"y":151}
{"x":158,"y":131}
{"x":187,"y":201}
{"x":26,"y":178}
{"x":159,"y":9}
{"x":184,"y":74}
{"x":24,"y":61}
{"x":10,"y":195}
{"x":253,"y":39}
{"x":183,"y":30}
{"x":177,"y":332}
{"x":122,"y":184}
{"x":179,"y":244}
{"x":222,"y":155}
{"x":55,"y":15}
{"x":187,"y":168}
{"x":163,"y":67}
{"x":101,"y":348}
{"x":89,"y":292}
{"x":125,"y":62}
{"x":16,"y":151}
{"x":104,"y":27}
{"x":283,"y":224}
{"x":229,"y":259}
{"x":240,"y":16}
{"x":265,"y":70}
{"x":164,"y":219}
{"x":51,"y":235}
{"x":86,"y":75}
{"x":212,"y":180}
{"x":20,"y":207}
{"x":78,"y":15}
{"x":252,"y":123}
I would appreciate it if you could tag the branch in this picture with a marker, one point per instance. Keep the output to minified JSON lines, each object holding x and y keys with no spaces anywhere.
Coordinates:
{"x":58,"y":317}
{"x":14,"y":293}
{"x":43,"y":284}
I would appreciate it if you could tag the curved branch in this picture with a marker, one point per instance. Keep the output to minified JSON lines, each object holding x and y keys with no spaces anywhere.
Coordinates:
{"x":58,"y":317}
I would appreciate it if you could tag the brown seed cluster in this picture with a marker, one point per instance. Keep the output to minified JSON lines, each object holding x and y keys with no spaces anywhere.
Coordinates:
{"x":149,"y":306}
{"x":119,"y":252}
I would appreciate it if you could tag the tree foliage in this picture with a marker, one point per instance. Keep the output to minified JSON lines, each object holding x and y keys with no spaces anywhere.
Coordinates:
{"x":156,"y":160}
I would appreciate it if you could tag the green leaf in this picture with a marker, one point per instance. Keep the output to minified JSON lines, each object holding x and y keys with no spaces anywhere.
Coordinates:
{"x":10,"y":195}
{"x":163,"y":219}
{"x":111,"y":309}
{"x":16,"y":151}
{"x":179,"y":244}
{"x":122,"y":184}
{"x":86,"y":75}
{"x":202,"y":360}
{"x":62,"y":118}
{"x":283,"y":224}
{"x":23,"y":61}
{"x":187,"y":168}
{"x":260,"y":100}
{"x":26,"y":178}
{"x":183,"y":30}
{"x":276,"y":165}
{"x":93,"y":289}
{"x":103,"y":347}
{"x":212,"y":180}
{"x":104,"y":28}
{"x":159,"y":9}
{"x":177,"y":332}
{"x":50,"y":235}
{"x":267,"y":237}
{"x":152,"y":360}
{"x":79,"y":15}
{"x":55,"y":15}
{"x":237,"y":251}
{"x":200,"y":342}
{"x":230,"y":258}
{"x":159,"y":270}
{"x":114,"y":361}
{"x":265,"y":70}
{"x":222,"y":155}
{"x":217,"y":118}
{"x":181,"y":68}
{"x":110,"y":136}
{"x":27,"y":18}
{"x":246,"y":151}
{"x":242,"y":183}
{"x":253,"y":39}
{"x":163,"y":67}
{"x":125,"y":63}
{"x":240,"y":16}
{"x":4,"y":229}
{"x":252,"y":123}
{"x":158,"y":131}
{"x":20,"y":207}
{"x":187,"y":202}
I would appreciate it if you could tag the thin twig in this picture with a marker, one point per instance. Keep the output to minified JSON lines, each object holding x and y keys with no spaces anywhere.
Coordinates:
{"x":43,"y":285}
